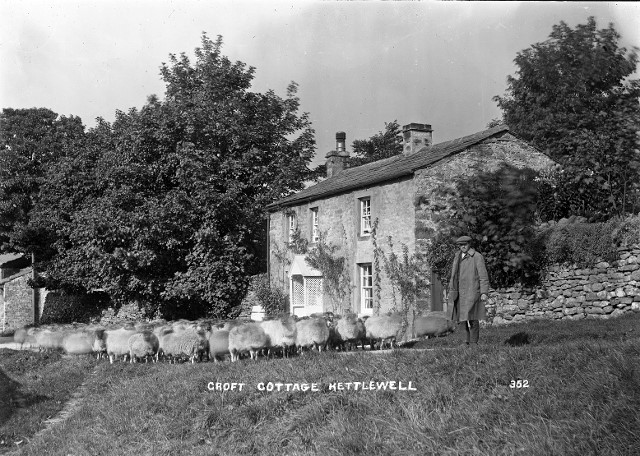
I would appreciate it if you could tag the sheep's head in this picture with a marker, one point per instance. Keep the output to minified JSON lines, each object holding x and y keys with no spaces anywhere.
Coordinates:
{"x":202,"y":345}
{"x":203,"y":326}
{"x":99,"y":343}
{"x":451,"y":326}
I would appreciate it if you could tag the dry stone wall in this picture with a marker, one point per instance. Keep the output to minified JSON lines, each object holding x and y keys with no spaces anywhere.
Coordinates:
{"x":17,"y":306}
{"x":604,"y":290}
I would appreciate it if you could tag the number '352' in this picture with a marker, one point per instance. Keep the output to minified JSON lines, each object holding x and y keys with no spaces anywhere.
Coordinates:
{"x":519,"y":384}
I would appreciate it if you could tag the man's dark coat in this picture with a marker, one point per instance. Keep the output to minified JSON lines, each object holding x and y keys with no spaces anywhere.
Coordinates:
{"x":470,"y":275}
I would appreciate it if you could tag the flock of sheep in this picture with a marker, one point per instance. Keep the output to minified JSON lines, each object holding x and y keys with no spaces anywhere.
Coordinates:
{"x":203,"y":339}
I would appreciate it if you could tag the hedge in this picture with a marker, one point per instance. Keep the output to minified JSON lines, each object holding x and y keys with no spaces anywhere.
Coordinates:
{"x":66,"y":308}
{"x":585,"y":244}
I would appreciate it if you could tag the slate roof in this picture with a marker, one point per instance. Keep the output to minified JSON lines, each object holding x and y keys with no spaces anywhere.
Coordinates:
{"x":387,"y":169}
{"x":8,"y":257}
{"x":20,"y":273}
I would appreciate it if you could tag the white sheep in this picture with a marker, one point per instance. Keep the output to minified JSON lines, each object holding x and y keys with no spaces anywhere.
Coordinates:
{"x":348,"y":329}
{"x":25,"y":337}
{"x":188,"y":342}
{"x":159,"y":329}
{"x":312,"y":332}
{"x":48,"y":339}
{"x":117,"y":342}
{"x":248,"y":337}
{"x":84,"y":342}
{"x":229,"y":324}
{"x":281,"y":333}
{"x":182,"y":325}
{"x":144,"y":344}
{"x":384,"y":328}
{"x":218,"y":344}
{"x":432,"y":326}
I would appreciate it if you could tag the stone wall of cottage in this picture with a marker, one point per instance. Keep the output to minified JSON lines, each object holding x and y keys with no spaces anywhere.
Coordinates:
{"x":339,"y":218}
{"x":432,"y":209}
{"x":573,"y":292}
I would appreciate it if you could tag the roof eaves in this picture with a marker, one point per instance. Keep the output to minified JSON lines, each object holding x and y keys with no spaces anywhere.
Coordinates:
{"x":460,"y":144}
{"x":21,"y":273}
{"x":8,"y":257}
{"x":533,"y":146}
{"x":273,"y":207}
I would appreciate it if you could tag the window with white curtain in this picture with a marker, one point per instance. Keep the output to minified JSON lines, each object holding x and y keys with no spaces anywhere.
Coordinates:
{"x":291,"y":221}
{"x":365,"y":216}
{"x":315,"y":231}
{"x":366,"y":287}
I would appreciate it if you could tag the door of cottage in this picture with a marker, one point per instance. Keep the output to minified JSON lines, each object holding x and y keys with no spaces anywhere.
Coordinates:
{"x":437,"y":293}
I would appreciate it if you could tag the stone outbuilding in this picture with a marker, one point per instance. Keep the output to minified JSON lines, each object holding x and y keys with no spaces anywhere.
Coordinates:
{"x":398,"y":197}
{"x":20,"y":305}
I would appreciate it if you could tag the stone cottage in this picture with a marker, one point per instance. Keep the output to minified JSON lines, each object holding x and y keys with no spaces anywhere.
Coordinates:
{"x":20,"y":305}
{"x":395,"y":195}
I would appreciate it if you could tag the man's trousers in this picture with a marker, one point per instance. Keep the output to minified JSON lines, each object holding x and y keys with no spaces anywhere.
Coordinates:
{"x":472,"y":330}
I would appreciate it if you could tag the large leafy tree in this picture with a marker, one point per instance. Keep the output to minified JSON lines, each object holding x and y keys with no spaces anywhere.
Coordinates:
{"x":383,"y":144}
{"x":31,"y":142}
{"x":572,"y":98}
{"x":168,"y":206}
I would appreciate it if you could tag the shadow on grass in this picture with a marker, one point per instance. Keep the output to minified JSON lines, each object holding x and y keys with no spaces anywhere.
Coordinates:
{"x":11,"y":398}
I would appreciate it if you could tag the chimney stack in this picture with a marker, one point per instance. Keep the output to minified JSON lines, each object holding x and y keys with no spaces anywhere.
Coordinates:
{"x":337,"y":159}
{"x":416,"y":136}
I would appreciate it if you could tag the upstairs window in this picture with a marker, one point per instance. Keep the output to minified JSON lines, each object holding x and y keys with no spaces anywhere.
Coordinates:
{"x":365,"y":217}
{"x":291,"y":222}
{"x":315,"y":232}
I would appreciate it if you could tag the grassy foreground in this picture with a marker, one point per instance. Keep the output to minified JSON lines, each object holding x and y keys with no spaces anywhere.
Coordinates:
{"x":33,"y":388}
{"x":583,"y":398}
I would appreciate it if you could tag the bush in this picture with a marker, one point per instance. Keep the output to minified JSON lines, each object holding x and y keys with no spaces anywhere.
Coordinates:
{"x":272,"y":299}
{"x":439,"y":254}
{"x":582,"y":243}
{"x":126,"y":312}
{"x":628,"y":231}
{"x":67,"y":308}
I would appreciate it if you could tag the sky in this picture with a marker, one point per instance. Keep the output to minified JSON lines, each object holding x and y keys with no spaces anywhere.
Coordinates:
{"x":357,"y":64}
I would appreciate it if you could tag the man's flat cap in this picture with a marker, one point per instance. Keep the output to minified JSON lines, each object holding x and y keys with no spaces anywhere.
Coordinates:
{"x":463,"y":240}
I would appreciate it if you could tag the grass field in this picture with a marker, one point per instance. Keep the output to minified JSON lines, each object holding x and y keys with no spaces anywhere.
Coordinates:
{"x":576,"y":391}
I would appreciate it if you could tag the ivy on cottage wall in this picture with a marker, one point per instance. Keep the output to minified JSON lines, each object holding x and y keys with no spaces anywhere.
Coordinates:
{"x":280,"y":254}
{"x":377,"y":270}
{"x":336,"y":280}
{"x":324,"y":257}
{"x":404,"y":274}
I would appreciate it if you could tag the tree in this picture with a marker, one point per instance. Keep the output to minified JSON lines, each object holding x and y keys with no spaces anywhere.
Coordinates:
{"x":498,"y":209}
{"x":383,"y":144}
{"x":572,"y":98}
{"x":171,"y":208}
{"x":31,"y":141}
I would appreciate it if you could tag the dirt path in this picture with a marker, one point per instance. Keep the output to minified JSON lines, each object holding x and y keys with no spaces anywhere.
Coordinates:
{"x":10,"y":344}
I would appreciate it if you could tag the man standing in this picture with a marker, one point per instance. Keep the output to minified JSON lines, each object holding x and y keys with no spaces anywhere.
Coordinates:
{"x":468,"y":289}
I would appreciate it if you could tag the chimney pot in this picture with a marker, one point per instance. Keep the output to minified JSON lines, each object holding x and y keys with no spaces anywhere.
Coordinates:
{"x":341,"y":138}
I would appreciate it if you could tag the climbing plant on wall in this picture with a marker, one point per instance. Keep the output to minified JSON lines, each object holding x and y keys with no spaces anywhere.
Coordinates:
{"x":405,"y":275}
{"x":377,"y":270}
{"x":336,"y":281}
